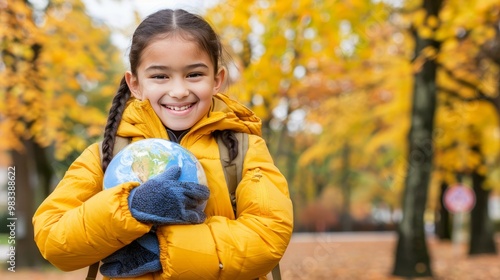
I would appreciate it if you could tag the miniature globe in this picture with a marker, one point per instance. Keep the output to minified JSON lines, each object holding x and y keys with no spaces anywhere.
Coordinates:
{"x":146,"y":158}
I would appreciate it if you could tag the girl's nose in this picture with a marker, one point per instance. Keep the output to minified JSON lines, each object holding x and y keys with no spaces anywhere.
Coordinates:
{"x":178,"y":90}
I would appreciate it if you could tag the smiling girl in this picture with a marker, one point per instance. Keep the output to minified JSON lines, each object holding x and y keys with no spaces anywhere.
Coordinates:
{"x":171,"y":92}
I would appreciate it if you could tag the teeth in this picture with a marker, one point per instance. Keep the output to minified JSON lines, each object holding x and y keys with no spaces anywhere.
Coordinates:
{"x":182,"y":108}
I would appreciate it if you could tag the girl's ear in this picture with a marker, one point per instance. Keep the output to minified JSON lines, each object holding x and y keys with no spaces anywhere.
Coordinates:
{"x":219,"y":79}
{"x":133,"y":84}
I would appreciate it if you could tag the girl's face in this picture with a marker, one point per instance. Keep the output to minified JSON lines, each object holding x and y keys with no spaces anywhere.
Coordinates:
{"x":178,"y":78}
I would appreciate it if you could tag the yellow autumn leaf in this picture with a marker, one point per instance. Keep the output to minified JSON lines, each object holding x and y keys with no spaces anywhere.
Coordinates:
{"x":425,"y":32}
{"x":432,"y":21}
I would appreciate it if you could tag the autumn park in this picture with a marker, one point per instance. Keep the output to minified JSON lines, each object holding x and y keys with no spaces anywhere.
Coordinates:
{"x":383,"y":115}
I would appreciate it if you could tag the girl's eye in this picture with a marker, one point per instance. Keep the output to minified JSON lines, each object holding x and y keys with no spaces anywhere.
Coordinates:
{"x":194,"y":75}
{"x":159,"y":77}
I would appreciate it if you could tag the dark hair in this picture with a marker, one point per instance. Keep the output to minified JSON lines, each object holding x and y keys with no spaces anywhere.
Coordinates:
{"x":156,"y":26}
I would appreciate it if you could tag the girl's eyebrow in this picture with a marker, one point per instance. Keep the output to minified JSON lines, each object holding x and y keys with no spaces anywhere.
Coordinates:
{"x":166,"y":68}
{"x":196,"y":65}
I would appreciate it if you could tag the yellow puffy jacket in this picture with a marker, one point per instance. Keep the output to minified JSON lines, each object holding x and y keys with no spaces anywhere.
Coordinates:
{"x":80,"y":223}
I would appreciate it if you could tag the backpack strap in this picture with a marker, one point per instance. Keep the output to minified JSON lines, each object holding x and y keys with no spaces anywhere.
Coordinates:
{"x":92,"y":273}
{"x":120,"y":143}
{"x":233,"y":169}
{"x":276,"y":272}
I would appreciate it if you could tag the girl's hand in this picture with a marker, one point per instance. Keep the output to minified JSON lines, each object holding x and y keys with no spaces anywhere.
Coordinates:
{"x":137,"y":258}
{"x":163,"y":200}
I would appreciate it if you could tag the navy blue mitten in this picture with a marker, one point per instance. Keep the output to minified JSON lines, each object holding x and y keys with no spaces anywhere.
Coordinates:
{"x":163,"y":200}
{"x":137,"y":258}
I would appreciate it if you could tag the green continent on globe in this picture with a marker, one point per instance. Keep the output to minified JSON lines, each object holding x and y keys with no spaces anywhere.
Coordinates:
{"x":148,"y":162}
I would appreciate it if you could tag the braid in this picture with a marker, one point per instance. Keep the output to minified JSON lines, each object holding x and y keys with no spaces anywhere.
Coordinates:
{"x":114,"y":118}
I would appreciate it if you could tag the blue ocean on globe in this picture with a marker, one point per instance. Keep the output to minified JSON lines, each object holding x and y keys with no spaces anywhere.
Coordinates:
{"x":146,"y":158}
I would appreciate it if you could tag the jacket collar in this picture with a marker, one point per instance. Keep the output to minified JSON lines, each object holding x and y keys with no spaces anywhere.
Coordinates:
{"x":140,"y":121}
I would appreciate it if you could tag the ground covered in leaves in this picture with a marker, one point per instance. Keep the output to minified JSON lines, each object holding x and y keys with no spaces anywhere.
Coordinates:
{"x":371,"y":256}
{"x":344,"y":256}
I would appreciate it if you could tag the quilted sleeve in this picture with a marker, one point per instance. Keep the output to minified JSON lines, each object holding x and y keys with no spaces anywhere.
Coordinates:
{"x":79,"y":223}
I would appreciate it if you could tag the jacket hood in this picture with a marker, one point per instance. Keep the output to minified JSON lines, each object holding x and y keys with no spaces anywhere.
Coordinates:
{"x":140,"y":121}
{"x":234,"y":116}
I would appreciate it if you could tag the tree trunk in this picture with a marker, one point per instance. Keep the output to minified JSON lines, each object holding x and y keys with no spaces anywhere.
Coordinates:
{"x":482,"y":231}
{"x":27,"y":253}
{"x":412,"y":257}
{"x":443,"y":226}
{"x":345,"y":216}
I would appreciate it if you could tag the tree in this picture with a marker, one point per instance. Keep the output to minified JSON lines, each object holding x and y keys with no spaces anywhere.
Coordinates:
{"x":443,"y":224}
{"x":412,"y":258}
{"x":56,"y":69}
{"x":469,"y":112}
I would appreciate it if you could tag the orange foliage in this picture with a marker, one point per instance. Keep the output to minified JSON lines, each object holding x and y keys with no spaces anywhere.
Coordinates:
{"x":53,"y":68}
{"x":347,"y":66}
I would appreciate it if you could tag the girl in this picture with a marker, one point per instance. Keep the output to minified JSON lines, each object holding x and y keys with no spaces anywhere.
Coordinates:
{"x":171,"y":92}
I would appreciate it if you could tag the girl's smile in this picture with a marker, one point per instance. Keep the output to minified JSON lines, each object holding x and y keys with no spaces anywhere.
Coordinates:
{"x":179,"y":109}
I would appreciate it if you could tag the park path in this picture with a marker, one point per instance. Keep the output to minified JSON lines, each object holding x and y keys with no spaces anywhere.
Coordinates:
{"x":344,"y":256}
{"x":353,"y":256}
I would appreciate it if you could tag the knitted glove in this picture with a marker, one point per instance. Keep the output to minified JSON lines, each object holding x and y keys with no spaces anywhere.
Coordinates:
{"x":163,"y":200}
{"x":137,"y":258}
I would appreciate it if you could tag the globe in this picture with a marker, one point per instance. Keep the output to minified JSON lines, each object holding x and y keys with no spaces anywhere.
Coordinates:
{"x":146,"y":158}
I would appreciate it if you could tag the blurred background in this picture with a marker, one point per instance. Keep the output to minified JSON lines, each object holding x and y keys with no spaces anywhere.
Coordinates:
{"x":382,"y":114}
